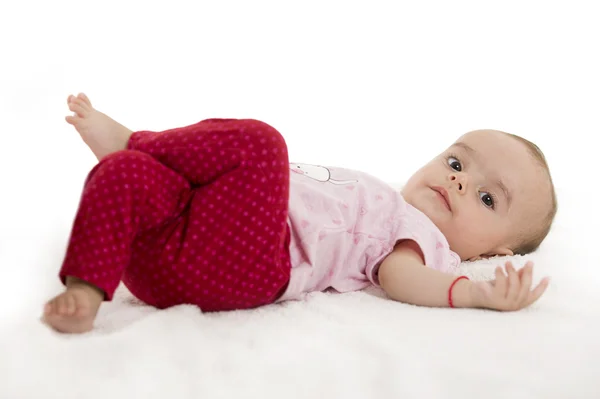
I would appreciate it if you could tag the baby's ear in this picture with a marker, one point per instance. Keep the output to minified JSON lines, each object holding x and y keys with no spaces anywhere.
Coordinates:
{"x":501,"y":251}
{"x":475,"y":258}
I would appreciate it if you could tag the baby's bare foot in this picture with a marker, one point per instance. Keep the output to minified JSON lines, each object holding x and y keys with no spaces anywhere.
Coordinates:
{"x":101,"y":133}
{"x":74,"y":310}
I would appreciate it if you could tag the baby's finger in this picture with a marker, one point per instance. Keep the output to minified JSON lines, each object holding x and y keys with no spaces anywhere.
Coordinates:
{"x":525,"y":274}
{"x":521,"y":271}
{"x":500,"y":287}
{"x":512,"y":291}
{"x":538,"y":291}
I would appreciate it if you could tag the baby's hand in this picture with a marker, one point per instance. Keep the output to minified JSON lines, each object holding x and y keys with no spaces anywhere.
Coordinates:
{"x":508,"y":293}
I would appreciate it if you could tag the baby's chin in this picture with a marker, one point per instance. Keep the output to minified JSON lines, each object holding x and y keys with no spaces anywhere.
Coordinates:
{"x":441,"y":219}
{"x":430,"y":206}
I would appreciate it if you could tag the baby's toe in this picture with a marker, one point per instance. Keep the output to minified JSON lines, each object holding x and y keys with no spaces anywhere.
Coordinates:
{"x":78,"y":109}
{"x":84,"y":98}
{"x":72,"y":120}
{"x":82,"y":104}
{"x":49,"y":308}
{"x":71,"y":305}
{"x":62,"y":305}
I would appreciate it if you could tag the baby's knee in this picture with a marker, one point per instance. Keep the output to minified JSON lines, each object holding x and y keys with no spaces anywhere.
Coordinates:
{"x":268,"y":142}
{"x":119,"y":163}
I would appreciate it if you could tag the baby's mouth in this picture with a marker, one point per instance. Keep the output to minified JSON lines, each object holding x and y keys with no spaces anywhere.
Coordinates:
{"x":443,"y":196}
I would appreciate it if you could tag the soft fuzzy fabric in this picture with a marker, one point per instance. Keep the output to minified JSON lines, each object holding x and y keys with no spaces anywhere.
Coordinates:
{"x":357,"y":345}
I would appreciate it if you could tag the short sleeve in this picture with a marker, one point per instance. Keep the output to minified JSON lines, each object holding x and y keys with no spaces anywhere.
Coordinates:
{"x":414,"y":225}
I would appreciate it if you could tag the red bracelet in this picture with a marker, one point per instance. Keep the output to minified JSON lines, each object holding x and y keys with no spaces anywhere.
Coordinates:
{"x":451,"y":287}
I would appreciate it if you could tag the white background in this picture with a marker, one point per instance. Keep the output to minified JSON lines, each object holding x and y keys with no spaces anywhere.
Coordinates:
{"x":371,"y":85}
{"x":376,"y":86}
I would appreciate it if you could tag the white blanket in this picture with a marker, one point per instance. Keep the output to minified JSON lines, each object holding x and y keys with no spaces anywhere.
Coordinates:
{"x":357,"y":345}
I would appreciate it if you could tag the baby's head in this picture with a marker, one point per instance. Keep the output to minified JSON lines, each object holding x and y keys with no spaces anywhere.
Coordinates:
{"x":500,"y":193}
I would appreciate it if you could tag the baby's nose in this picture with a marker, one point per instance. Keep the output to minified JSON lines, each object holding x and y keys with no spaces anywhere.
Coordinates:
{"x":459,"y":180}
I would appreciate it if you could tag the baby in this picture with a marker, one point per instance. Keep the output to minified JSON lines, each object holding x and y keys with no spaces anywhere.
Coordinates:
{"x":215,"y":215}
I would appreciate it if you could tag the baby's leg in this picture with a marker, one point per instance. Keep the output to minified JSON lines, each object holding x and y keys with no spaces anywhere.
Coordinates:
{"x":211,"y":148}
{"x":231,"y":249}
{"x":101,"y":133}
{"x":128,"y":191}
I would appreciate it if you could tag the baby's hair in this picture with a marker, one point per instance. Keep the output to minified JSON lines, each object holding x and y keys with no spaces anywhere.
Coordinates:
{"x":532,"y":241}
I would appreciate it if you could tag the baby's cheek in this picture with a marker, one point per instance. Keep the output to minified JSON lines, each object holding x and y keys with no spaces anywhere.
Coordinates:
{"x":484,"y":233}
{"x":469,"y":230}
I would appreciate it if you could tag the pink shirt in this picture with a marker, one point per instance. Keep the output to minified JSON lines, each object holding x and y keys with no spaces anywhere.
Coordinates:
{"x":343,"y":224}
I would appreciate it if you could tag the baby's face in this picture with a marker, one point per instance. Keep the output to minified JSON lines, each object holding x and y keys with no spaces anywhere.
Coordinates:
{"x":494,"y":191}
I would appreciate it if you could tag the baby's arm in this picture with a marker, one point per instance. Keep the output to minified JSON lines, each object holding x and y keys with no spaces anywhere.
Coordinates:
{"x":404,"y":277}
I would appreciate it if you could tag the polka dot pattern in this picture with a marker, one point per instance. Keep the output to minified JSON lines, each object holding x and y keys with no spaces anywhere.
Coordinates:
{"x":195,"y":215}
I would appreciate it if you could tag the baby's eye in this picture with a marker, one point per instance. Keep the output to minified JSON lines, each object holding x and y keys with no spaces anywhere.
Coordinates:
{"x":454,"y":164}
{"x":487,"y":199}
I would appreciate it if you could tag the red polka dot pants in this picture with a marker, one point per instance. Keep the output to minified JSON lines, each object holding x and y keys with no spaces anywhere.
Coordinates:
{"x":194,"y":215}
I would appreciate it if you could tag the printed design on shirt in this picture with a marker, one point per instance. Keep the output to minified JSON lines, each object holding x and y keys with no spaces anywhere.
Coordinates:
{"x":318,"y":173}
